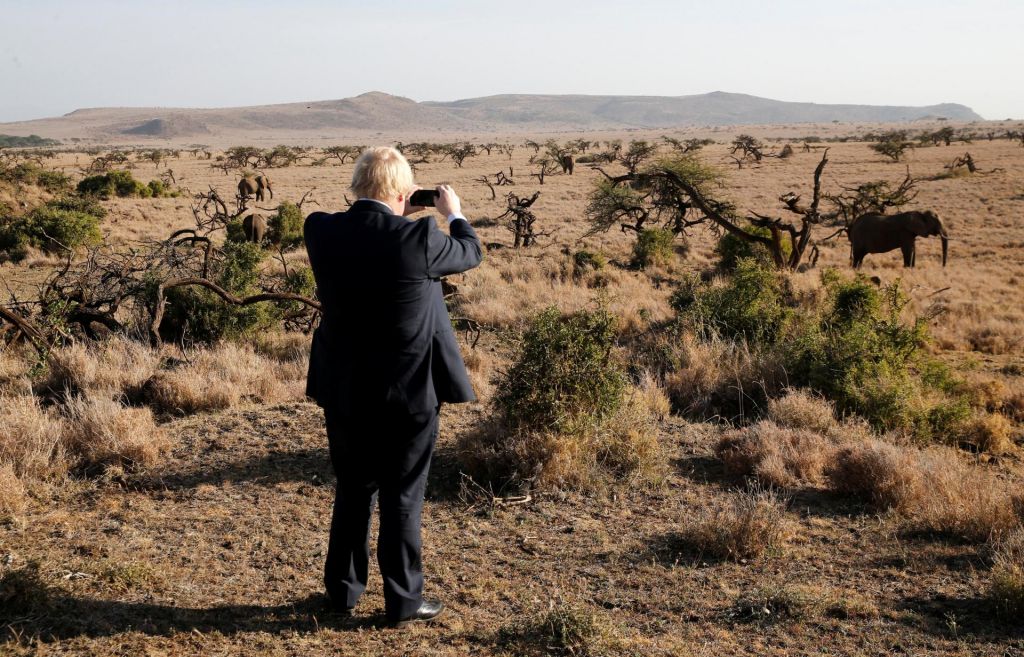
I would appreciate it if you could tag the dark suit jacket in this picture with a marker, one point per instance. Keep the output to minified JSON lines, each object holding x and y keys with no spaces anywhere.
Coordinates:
{"x":385,"y":338}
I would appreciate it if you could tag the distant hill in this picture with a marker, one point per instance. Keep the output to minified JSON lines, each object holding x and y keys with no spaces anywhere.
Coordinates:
{"x":379,"y":112}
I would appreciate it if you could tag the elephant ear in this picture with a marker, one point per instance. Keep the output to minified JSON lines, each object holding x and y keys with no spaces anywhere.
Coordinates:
{"x":920,"y":224}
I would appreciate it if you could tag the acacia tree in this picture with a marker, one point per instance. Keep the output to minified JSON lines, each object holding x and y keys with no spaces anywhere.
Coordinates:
{"x":343,"y":153}
{"x":749,"y":146}
{"x":459,"y":152}
{"x":680,"y":192}
{"x":893,"y":144}
{"x":874,"y":196}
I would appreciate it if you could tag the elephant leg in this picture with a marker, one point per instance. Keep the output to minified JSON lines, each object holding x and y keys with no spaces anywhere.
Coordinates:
{"x":908,"y":255}
{"x":858,"y":258}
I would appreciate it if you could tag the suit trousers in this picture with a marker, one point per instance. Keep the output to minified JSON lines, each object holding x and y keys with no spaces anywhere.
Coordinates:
{"x":382,"y":454}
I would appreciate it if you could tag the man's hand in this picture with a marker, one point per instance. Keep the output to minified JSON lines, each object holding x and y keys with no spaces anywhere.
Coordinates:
{"x":447,"y":201}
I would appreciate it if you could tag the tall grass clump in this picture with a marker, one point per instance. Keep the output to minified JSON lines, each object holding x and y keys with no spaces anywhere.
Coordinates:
{"x":1007,"y":588}
{"x":564,"y":413}
{"x":748,"y":525}
{"x":562,"y":630}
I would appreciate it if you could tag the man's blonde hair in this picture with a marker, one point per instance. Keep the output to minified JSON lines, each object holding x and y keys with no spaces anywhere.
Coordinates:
{"x":381,"y":173}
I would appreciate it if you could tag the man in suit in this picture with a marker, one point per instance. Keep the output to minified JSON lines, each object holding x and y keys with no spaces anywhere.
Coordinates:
{"x":383,"y":359}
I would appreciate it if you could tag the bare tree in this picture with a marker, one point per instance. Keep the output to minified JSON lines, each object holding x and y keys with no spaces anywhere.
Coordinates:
{"x":547,"y":167}
{"x":520,"y":220}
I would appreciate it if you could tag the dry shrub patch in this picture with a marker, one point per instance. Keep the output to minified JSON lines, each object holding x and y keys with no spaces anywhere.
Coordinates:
{"x":563,"y":630}
{"x":719,"y":377}
{"x":933,"y":489}
{"x":116,"y":366}
{"x":793,"y":446}
{"x":12,"y":494}
{"x":989,"y":432}
{"x":103,"y":433}
{"x":776,"y":456}
{"x":882,"y":473}
{"x":223,"y":377}
{"x":751,"y":523}
{"x":31,"y":438}
{"x":802,"y":409}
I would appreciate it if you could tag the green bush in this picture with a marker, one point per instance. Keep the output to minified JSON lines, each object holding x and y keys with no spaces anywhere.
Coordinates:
{"x":586,"y":260}
{"x":79,"y":204}
{"x":50,"y":227}
{"x":197,"y":314}
{"x":233,"y":231}
{"x":285,"y":227}
{"x":118,"y":183}
{"x":653,"y":247}
{"x":853,"y":346}
{"x":731,"y":249}
{"x":749,"y":305}
{"x":53,"y":181}
{"x":564,"y":377}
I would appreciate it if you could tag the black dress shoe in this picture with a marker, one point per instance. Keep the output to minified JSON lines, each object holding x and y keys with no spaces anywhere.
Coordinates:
{"x":339,"y":609}
{"x":429,"y":610}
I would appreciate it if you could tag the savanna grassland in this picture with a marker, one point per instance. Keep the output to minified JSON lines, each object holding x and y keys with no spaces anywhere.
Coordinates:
{"x":668,"y":456}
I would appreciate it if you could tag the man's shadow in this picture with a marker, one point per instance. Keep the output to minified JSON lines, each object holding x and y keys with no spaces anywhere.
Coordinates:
{"x":66,"y":617}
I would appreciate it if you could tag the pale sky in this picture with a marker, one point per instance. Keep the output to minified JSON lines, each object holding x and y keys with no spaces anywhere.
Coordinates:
{"x":57,"y":56}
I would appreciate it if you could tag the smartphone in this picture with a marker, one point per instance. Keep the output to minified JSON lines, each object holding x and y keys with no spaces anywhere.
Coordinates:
{"x":424,"y":197}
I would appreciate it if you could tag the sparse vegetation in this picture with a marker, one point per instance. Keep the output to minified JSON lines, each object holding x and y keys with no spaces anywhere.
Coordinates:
{"x":871,"y":425}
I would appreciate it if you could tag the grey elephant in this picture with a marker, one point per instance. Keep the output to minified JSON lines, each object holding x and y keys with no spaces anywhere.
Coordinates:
{"x":255,"y":227}
{"x":881,"y":233}
{"x":567,"y":163}
{"x":254,"y":186}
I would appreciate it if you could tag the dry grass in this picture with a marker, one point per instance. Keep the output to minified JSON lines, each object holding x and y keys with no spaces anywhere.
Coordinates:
{"x":117,"y":366}
{"x":749,"y":524}
{"x":512,"y":287}
{"x":14,"y":368}
{"x":1007,"y":587}
{"x":721,"y":377}
{"x":881,"y":472}
{"x":31,"y":438}
{"x":990,"y":432}
{"x":933,"y":489}
{"x":223,"y":377}
{"x":793,"y":446}
{"x":802,"y":409}
{"x":777,"y":456}
{"x":103,"y":433}
{"x":13,"y":498}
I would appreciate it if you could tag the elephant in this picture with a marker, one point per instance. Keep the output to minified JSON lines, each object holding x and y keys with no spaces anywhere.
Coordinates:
{"x":254,"y":186}
{"x":567,"y":164}
{"x":881,"y":233}
{"x":255,"y":227}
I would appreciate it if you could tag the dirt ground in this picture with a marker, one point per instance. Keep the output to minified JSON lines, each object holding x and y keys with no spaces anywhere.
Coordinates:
{"x":219,"y":550}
